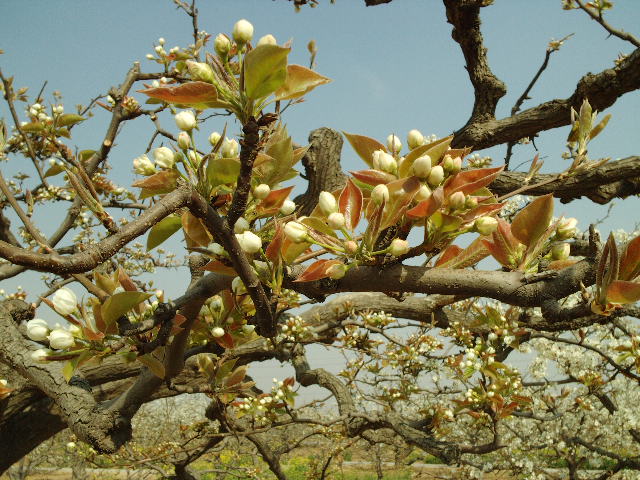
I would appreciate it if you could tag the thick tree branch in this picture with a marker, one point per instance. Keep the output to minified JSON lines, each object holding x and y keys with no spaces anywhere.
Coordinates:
{"x":488,"y":89}
{"x":602,"y":90}
{"x":616,"y":179}
{"x":105,"y":249}
{"x":322,"y":167}
{"x":513,"y":288}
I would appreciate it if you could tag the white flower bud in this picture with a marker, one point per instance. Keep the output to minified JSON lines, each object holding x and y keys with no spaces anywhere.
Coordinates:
{"x":229,"y":148}
{"x":37,"y":329}
{"x":394,"y":144}
{"x":200,"y":71}
{"x":288,"y":207}
{"x":423,"y":193}
{"x":436,"y":176}
{"x":222,"y":45}
{"x":485,"y":225}
{"x":566,"y":228}
{"x":337,"y":271}
{"x":492,"y":337}
{"x":415,"y":139}
{"x":447,"y":163}
{"x":398,"y":247}
{"x":217,"y":332}
{"x":214,"y":138}
{"x":242,"y":32}
{"x":149,"y":56}
{"x":161,"y":41}
{"x":327,"y":203}
{"x":184,"y":140}
{"x":241,"y":225}
{"x":216,"y":249}
{"x":267,"y":40}
{"x":560,"y":251}
{"x":143,"y":166}
{"x":247,"y":329}
{"x":261,"y":191}
{"x":456,"y":201}
{"x":64,"y":301}
{"x":60,"y":339}
{"x":336,"y":221}
{"x":159,"y":50}
{"x":186,"y":120}
{"x":249,"y":242}
{"x":379,"y":193}
{"x":384,"y":161}
{"x":237,"y":286}
{"x":39,"y":354}
{"x":457,"y":165}
{"x":422,"y":166}
{"x":296,"y":232}
{"x":165,"y":158}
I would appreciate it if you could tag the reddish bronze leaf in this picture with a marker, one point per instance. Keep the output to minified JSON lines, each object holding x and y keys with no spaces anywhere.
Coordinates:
{"x":195,"y":94}
{"x":427,"y":207}
{"x":195,"y":232}
{"x":532,"y":221}
{"x":364,"y":146}
{"x":373,"y":177}
{"x":219,"y":267}
{"x":317,"y":270}
{"x":630,"y":261}
{"x":469,"y":181}
{"x":350,"y":203}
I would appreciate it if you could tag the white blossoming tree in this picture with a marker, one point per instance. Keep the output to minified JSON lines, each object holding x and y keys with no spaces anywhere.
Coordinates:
{"x":431,"y":335}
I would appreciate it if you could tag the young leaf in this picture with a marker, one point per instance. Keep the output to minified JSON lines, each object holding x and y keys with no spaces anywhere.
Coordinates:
{"x":199,"y":95}
{"x":222,"y":171}
{"x":219,"y":267}
{"x":427,"y":207}
{"x":158,"y":183}
{"x":350,"y":203}
{"x":195,"y":232}
{"x":163,"y":230}
{"x":458,"y":258}
{"x":69,"y":119}
{"x":630,"y":260}
{"x":532,"y":221}
{"x":470,"y":181}
{"x":435,"y":150}
{"x":622,"y":292}
{"x":117,"y":305}
{"x":373,"y":177}
{"x":317,"y":270}
{"x":364,"y":146}
{"x":265,"y":70}
{"x":300,"y":81}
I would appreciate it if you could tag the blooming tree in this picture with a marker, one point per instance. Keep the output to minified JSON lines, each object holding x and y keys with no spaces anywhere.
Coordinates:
{"x":430,"y":335}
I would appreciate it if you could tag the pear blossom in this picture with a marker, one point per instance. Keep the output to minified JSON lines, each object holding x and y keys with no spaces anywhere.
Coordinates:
{"x":217,"y":332}
{"x":229,"y":148}
{"x":394,"y":144}
{"x":267,"y":40}
{"x":414,"y":139}
{"x":380,"y":193}
{"x":296,"y":232}
{"x":261,"y":191}
{"x":186,"y":120}
{"x":59,"y":339}
{"x":222,"y":45}
{"x":327,"y":203}
{"x":336,"y":221}
{"x":249,"y":242}
{"x":165,"y":158}
{"x":37,"y":329}
{"x":64,"y":301}
{"x":143,"y":166}
{"x":398,"y":247}
{"x":422,"y":166}
{"x":242,"y":31}
{"x":288,"y":207}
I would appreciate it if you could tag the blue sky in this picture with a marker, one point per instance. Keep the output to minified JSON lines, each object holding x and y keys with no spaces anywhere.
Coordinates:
{"x":394,"y":67}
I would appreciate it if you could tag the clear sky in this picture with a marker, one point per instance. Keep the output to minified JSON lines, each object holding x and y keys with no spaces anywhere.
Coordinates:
{"x":394,"y":67}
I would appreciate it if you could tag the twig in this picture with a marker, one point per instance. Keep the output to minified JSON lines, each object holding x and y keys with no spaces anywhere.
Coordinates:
{"x":621,"y":34}
{"x":525,"y":94}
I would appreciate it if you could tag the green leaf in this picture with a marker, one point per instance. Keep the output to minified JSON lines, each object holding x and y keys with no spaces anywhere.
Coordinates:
{"x":117,"y":305}
{"x":435,"y":150}
{"x":265,"y":70}
{"x":68,"y":369}
{"x":222,"y":170}
{"x":32,"y":127}
{"x":300,"y":81}
{"x":153,"y":364}
{"x":69,"y":119}
{"x":532,"y":221}
{"x":53,"y":170}
{"x":163,"y":230}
